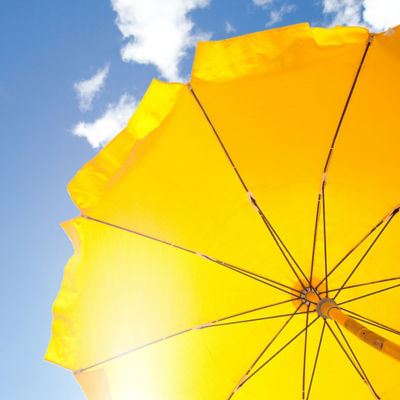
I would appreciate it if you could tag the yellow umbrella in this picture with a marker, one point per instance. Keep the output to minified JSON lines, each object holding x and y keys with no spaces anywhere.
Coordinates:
{"x":237,"y":221}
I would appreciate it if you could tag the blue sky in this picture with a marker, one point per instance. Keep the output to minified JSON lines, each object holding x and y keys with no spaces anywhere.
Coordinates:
{"x":73,"y":68}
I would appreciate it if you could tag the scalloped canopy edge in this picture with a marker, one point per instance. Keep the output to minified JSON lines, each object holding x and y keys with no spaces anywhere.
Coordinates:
{"x":215,"y":61}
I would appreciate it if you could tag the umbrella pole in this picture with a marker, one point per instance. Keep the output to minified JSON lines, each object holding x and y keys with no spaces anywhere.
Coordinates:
{"x":327,"y":308}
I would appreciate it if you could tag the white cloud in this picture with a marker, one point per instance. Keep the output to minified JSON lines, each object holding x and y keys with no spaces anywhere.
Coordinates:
{"x":373,"y":14}
{"x":277,"y":15}
{"x":159,"y":32}
{"x":382,"y":14}
{"x":101,"y":131}
{"x":229,"y":28}
{"x":274,"y":17}
{"x":343,"y":12}
{"x":263,"y":3}
{"x":87,"y":90}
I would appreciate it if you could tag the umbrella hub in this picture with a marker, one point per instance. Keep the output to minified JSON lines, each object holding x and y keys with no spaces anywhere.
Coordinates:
{"x":310,"y":297}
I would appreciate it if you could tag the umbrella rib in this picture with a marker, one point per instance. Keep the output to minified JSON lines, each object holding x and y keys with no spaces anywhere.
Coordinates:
{"x":253,"y":201}
{"x":245,"y":376}
{"x":305,"y":354}
{"x":350,"y":252}
{"x":252,"y":275}
{"x":283,"y":347}
{"x":325,"y":171}
{"x":252,"y":310}
{"x":365,"y":237}
{"x":367,"y":381}
{"x":371,"y":322}
{"x":246,"y":379}
{"x":197,"y":327}
{"x":279,"y":241}
{"x":361,"y":284}
{"x":371,"y":36}
{"x":316,"y":359}
{"x":368,"y":250}
{"x":345,"y":352}
{"x":218,"y":137}
{"x":249,"y":274}
{"x":369,"y":294}
{"x":125,"y":353}
{"x":325,"y":241}
{"x":260,"y":319}
{"x":315,"y":236}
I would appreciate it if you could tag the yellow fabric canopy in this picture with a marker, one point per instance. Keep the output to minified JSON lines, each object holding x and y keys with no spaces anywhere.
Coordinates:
{"x":218,"y":204}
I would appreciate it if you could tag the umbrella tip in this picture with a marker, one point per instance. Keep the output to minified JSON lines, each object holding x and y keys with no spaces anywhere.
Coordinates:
{"x":389,"y":32}
{"x":372,"y":389}
{"x":253,"y":201}
{"x":241,"y":383}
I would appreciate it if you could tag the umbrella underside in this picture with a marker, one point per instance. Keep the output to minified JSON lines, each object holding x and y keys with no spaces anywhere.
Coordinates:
{"x":228,"y":208}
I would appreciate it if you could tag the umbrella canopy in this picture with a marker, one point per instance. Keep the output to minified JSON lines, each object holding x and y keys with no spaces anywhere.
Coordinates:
{"x":214,"y":223}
